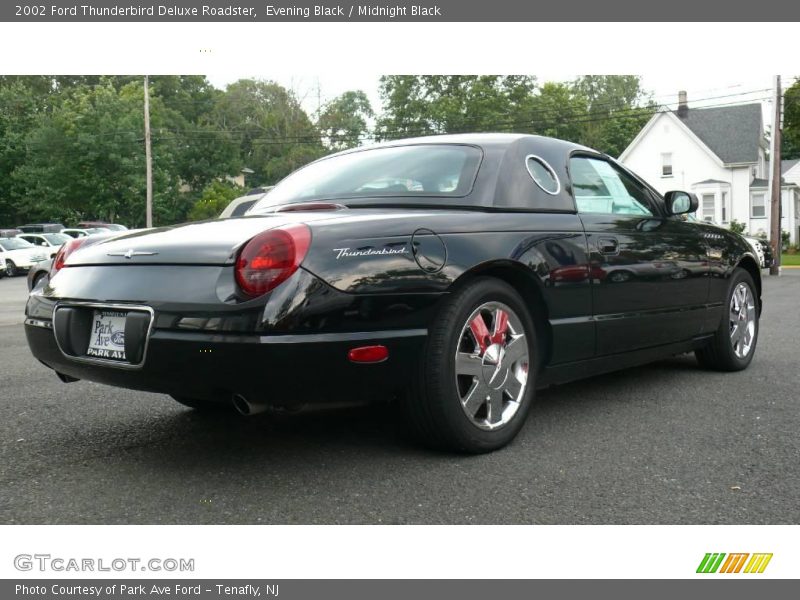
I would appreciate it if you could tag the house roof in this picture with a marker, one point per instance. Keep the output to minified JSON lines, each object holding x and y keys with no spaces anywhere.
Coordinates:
{"x":733,"y":133}
{"x":788,"y":164}
{"x":711,"y":181}
{"x":764,"y":183}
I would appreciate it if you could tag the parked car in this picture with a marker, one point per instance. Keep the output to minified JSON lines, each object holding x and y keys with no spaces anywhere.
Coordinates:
{"x":434,"y":290}
{"x":239,"y":206}
{"x":38,"y":273}
{"x":51,"y":242}
{"x":762,"y":249}
{"x":75,"y":232}
{"x":102,"y":225}
{"x":19,"y":255}
{"x":40,"y":228}
{"x":6,"y":233}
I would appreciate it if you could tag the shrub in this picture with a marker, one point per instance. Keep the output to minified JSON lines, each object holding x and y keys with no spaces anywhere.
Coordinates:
{"x":215,"y":197}
{"x":738,"y":227}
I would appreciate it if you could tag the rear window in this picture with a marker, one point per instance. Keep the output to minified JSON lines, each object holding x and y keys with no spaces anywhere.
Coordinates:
{"x":56,"y":238}
{"x":429,"y":170}
{"x":241,"y":208}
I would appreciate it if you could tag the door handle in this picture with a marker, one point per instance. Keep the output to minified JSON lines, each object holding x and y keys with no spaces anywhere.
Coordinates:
{"x":608,"y":245}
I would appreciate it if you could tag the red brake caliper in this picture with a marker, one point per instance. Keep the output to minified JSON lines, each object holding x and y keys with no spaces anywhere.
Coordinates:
{"x":481,"y":333}
{"x":500,"y":327}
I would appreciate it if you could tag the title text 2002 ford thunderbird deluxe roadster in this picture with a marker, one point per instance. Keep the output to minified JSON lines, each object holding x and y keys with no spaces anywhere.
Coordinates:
{"x":455,"y":273}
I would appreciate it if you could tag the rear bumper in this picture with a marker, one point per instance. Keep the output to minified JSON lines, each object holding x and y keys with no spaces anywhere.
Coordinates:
{"x":284,"y":371}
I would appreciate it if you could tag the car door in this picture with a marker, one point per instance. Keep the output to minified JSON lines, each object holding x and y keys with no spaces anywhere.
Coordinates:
{"x":649,"y":271}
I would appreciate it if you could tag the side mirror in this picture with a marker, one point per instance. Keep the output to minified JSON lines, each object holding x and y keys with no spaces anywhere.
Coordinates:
{"x":681,"y":203}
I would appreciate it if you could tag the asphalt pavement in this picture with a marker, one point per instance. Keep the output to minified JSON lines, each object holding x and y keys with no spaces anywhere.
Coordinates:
{"x":665,"y":443}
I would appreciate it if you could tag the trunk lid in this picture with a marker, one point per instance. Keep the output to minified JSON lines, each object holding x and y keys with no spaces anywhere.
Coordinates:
{"x":203,"y":243}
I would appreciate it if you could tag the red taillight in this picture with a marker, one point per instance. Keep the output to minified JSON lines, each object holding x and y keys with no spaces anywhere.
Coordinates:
{"x":368,"y":354}
{"x":63,"y":253}
{"x":271,"y":257}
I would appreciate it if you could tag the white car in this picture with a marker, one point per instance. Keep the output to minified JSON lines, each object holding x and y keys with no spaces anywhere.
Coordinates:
{"x":49,"y":242}
{"x":19,"y":255}
{"x":75,"y":232}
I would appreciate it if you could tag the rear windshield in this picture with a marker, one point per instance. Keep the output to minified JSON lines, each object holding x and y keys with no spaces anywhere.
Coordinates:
{"x":430,"y":170}
{"x":242,"y":207}
{"x":56,"y":238}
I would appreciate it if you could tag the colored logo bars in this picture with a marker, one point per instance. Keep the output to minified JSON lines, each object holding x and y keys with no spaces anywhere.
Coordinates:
{"x":713,"y":563}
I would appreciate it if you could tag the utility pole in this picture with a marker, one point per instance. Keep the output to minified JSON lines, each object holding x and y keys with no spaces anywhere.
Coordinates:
{"x":148,"y":155}
{"x":775,"y":184}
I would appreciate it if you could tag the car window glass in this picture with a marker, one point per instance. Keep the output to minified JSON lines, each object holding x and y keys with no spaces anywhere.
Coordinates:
{"x":15,"y":244}
{"x":429,"y":170}
{"x":542,"y":174}
{"x":600,"y":188}
{"x":239,"y":210}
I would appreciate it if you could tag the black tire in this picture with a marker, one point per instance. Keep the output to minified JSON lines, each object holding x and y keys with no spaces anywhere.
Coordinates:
{"x":11,"y":268}
{"x":719,"y":354}
{"x":203,"y":405}
{"x":433,"y":405}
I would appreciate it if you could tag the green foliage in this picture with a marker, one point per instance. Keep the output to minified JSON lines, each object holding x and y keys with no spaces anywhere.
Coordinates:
{"x":428,"y":104}
{"x":85,"y":160}
{"x":343,"y":122}
{"x":72,"y":147}
{"x":273,"y":133}
{"x":737,"y":227}
{"x":604,"y":112}
{"x":790,"y":145}
{"x":213,"y":200}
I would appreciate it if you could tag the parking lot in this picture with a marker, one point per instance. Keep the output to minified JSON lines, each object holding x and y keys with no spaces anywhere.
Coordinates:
{"x":665,"y":443}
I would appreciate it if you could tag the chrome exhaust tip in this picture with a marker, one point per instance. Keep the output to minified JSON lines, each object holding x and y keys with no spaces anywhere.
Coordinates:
{"x":244,"y":407}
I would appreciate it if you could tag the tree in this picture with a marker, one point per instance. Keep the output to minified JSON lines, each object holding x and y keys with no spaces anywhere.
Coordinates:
{"x":428,"y":104}
{"x":605,"y":112}
{"x":790,"y":147}
{"x":85,"y":159}
{"x":343,"y":122}
{"x":617,"y":109}
{"x":273,"y":133}
{"x":555,"y":111}
{"x":22,"y":101}
{"x":215,"y":197}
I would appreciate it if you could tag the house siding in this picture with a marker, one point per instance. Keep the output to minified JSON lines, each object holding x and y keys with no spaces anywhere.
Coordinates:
{"x":696,"y":169}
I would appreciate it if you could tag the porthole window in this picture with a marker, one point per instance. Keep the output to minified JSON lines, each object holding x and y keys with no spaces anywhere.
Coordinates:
{"x":543,"y":174}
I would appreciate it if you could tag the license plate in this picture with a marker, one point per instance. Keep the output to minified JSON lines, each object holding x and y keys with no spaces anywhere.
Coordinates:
{"x":107,"y":338}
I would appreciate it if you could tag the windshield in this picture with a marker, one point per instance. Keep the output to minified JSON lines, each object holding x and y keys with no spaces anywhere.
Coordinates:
{"x":14,"y":244}
{"x":56,"y":239}
{"x":404,"y":171}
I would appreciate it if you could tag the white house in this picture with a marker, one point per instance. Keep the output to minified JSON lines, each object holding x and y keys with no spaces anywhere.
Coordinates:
{"x":719,"y":154}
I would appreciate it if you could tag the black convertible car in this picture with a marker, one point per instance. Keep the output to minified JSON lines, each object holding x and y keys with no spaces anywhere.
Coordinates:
{"x":456,"y":274}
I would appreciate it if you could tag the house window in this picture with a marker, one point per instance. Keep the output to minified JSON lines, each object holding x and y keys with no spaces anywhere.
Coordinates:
{"x":724,"y":207}
{"x":758,"y":206}
{"x":666,"y":164}
{"x":708,"y":208}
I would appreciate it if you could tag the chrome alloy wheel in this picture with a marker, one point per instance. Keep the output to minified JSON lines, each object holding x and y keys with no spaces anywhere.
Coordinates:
{"x":742,"y":320}
{"x":491,"y":365}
